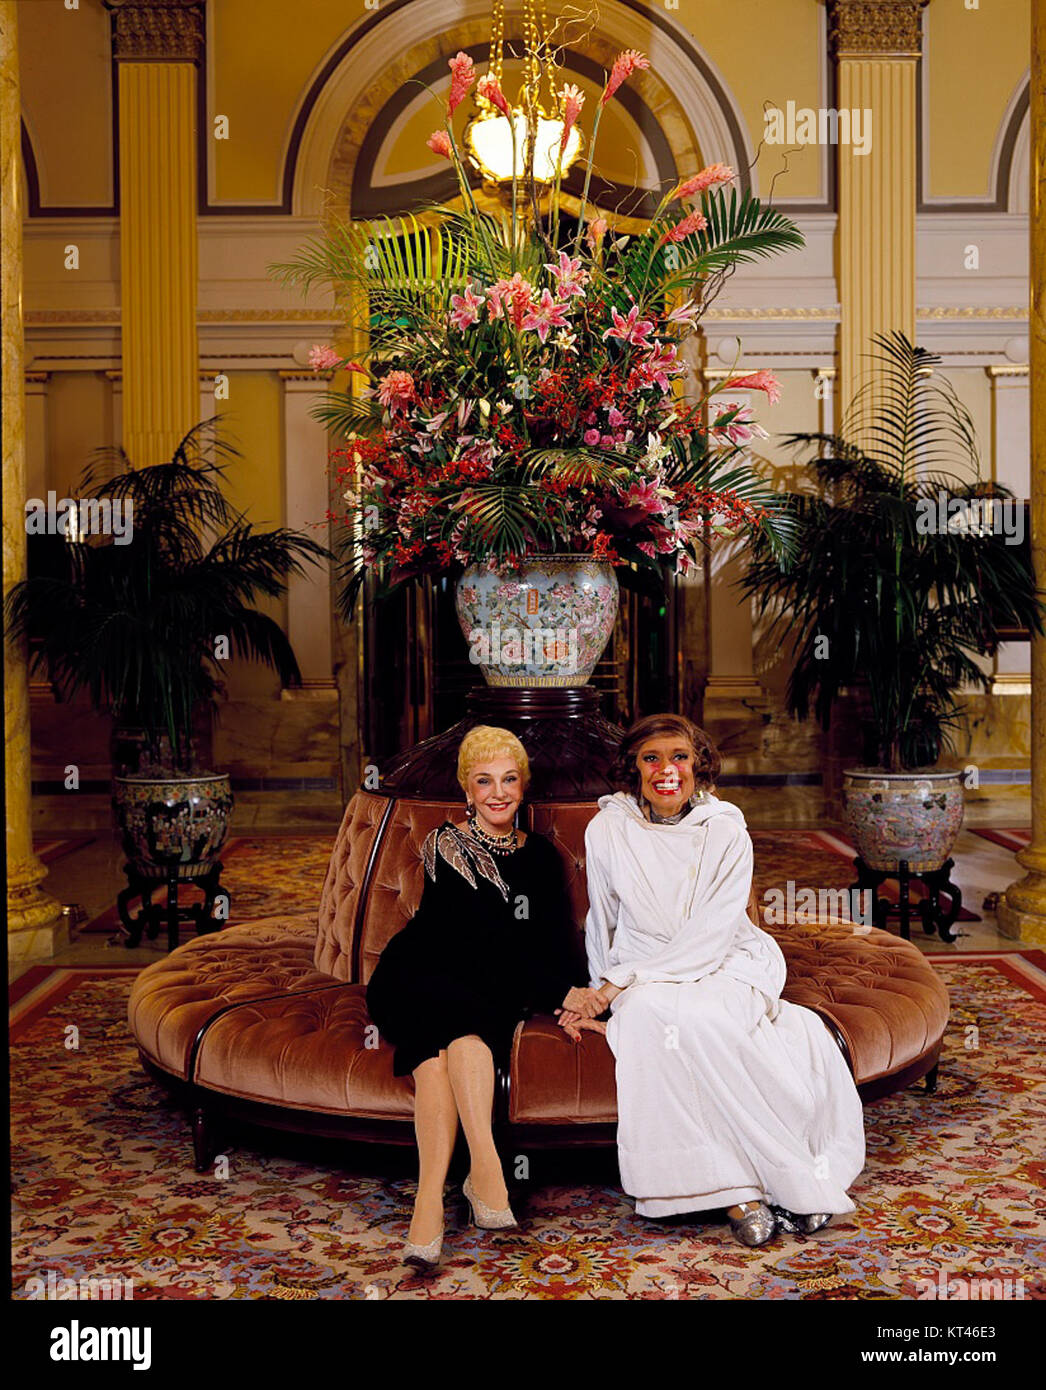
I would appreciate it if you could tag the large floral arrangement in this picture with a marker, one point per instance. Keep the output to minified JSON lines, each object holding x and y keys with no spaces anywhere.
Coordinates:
{"x":519,"y":394}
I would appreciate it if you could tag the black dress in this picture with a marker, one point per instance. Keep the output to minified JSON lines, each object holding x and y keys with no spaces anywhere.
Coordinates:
{"x":492,"y":942}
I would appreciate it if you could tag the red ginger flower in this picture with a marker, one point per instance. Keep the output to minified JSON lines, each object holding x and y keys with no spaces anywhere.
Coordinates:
{"x":489,"y":89}
{"x":763,"y":380}
{"x":624,"y":66}
{"x":693,"y":222}
{"x":463,"y":74}
{"x":439,"y":143}
{"x":573,"y":99}
{"x":690,"y":188}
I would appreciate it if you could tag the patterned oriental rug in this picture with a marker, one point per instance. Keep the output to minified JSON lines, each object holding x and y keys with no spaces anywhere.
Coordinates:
{"x":104,"y":1185}
{"x":271,"y":874}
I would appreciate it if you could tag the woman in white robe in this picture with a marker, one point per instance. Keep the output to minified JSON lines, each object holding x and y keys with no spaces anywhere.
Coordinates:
{"x":727,"y":1095}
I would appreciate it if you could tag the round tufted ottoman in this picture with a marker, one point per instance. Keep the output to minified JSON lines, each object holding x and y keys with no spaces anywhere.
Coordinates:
{"x":267,"y":1021}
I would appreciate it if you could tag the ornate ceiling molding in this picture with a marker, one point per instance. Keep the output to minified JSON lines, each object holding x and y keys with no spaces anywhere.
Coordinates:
{"x":875,"y":28}
{"x":158,"y":31}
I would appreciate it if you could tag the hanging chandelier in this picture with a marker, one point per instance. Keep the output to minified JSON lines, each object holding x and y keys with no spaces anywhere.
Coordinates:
{"x":498,"y":145}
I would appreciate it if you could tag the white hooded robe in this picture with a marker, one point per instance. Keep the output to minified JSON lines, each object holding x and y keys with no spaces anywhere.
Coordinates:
{"x":726,"y":1093}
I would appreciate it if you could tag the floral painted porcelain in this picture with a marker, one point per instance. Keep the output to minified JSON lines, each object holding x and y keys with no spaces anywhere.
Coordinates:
{"x":544,"y":624}
{"x":903,"y":815}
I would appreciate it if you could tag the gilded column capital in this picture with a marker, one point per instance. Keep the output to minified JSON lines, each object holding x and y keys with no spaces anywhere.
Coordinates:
{"x":875,"y":28}
{"x":159,"y":31}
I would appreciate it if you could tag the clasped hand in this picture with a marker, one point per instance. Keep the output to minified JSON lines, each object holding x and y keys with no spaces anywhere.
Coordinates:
{"x":580,"y":1008}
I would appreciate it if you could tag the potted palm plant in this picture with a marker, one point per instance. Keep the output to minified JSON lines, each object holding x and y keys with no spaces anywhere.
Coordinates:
{"x":521,"y":424}
{"x":142,"y":628}
{"x":907,"y":567}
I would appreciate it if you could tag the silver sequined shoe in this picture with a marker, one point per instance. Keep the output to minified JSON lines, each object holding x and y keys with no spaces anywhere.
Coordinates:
{"x":487,"y":1218}
{"x":423,"y":1256}
{"x":755,"y":1227}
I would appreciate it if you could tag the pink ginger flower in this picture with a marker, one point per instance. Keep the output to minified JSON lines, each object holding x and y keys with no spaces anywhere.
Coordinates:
{"x":707,"y":178}
{"x":397,"y":391}
{"x":439,"y":143}
{"x":762,"y":380}
{"x":628,"y":330}
{"x":462,"y":76}
{"x":322,"y":358}
{"x":568,"y":275}
{"x":597,"y":230}
{"x":517,"y":294}
{"x":624,"y":66}
{"x":573,"y":99}
{"x":548,"y":313}
{"x":693,"y":222}
{"x":465,"y":309}
{"x":489,"y":89}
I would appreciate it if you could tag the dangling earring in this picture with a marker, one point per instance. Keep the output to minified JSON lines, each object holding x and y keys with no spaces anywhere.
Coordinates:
{"x":470,"y":812}
{"x":697,"y":797}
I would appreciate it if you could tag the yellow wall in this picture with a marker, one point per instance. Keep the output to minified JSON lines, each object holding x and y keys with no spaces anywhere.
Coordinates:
{"x":264,"y":53}
{"x":975,"y":60}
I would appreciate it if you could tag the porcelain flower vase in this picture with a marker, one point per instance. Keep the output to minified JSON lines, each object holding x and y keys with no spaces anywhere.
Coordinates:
{"x":543,"y":624}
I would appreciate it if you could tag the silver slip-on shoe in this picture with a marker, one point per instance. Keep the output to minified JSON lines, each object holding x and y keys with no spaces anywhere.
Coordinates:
{"x":755,"y":1227}
{"x":487,"y":1218}
{"x":795,"y":1224}
{"x":814,"y":1221}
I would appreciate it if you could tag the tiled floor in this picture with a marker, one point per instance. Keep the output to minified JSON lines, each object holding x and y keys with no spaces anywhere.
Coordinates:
{"x":92,"y":875}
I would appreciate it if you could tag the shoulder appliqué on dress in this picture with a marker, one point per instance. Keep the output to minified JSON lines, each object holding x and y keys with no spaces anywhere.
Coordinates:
{"x":463,"y":854}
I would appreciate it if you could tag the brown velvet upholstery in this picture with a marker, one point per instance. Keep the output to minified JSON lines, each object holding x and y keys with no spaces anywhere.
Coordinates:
{"x":274,"y":1011}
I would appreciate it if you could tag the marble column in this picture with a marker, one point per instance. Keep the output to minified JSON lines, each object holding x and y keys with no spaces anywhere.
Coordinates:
{"x":1022,"y":911}
{"x":876,"y":44}
{"x":156,"y":44}
{"x":35,"y":926}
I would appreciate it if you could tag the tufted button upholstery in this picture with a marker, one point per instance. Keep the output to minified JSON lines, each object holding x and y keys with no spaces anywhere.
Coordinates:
{"x":274,"y":1011}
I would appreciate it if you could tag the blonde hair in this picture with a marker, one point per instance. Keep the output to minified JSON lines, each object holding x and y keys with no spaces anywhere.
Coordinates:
{"x":486,"y":742}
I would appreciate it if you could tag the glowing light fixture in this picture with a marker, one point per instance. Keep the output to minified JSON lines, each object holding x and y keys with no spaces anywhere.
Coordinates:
{"x":489,"y":135}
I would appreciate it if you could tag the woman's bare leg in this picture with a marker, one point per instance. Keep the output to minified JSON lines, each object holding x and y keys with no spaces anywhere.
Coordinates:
{"x":436,"y":1128}
{"x":471,"y":1069}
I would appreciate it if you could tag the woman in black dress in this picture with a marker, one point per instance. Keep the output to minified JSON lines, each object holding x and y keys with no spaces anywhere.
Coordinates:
{"x":491,"y":942}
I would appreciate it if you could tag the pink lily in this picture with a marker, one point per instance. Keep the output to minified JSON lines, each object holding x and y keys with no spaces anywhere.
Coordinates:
{"x":465,"y":309}
{"x":568,"y":275}
{"x":628,"y":330}
{"x":548,"y":313}
{"x":684,"y":313}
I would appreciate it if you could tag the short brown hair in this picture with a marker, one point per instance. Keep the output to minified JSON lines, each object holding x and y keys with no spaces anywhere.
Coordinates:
{"x":707,"y":762}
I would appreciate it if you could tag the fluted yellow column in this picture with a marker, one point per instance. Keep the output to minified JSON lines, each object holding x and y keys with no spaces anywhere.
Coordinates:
{"x":156,"y":44}
{"x":35,"y":926}
{"x":1022,"y":911}
{"x":876,"y":44}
